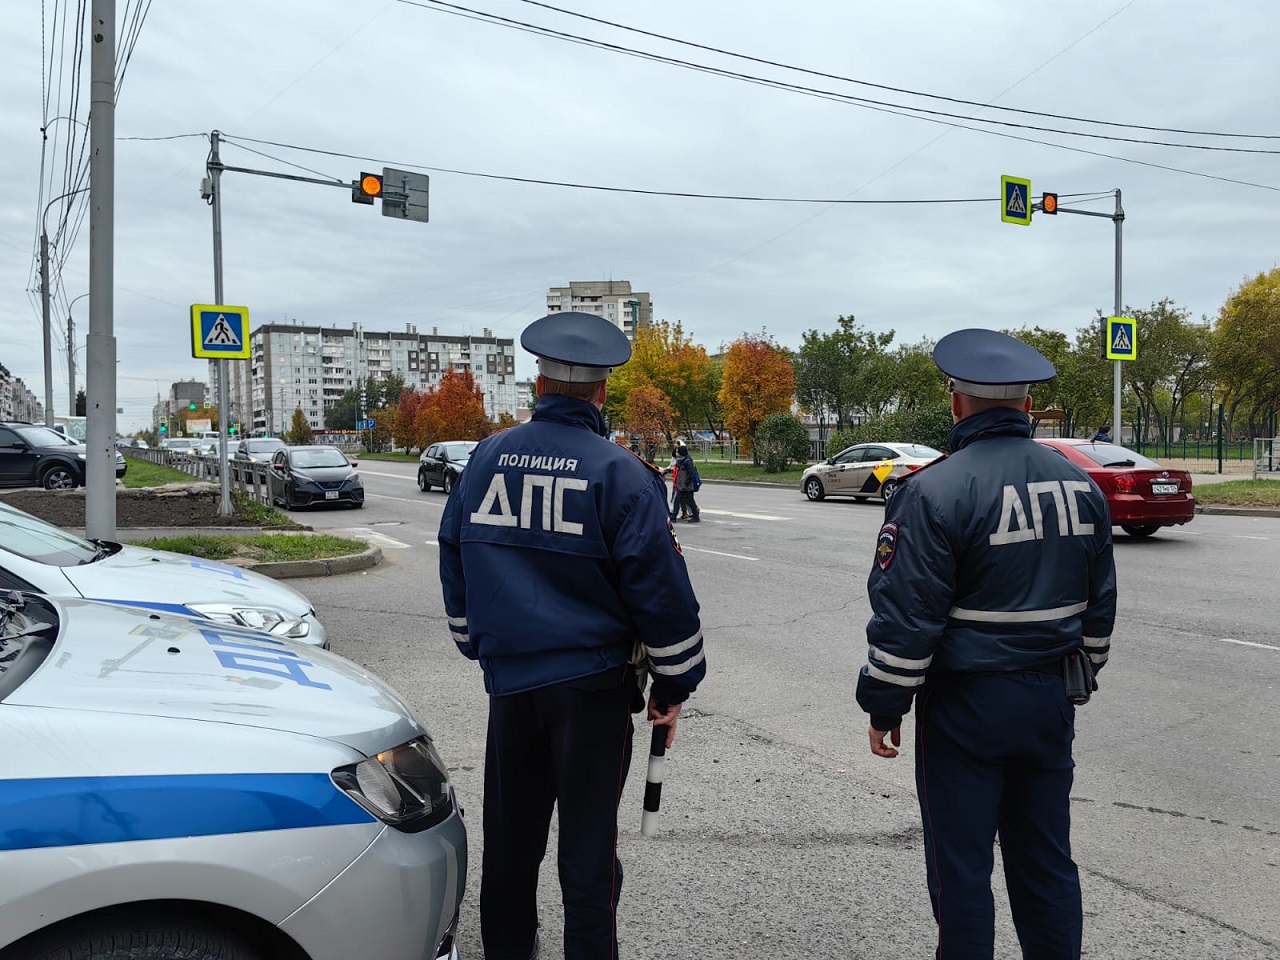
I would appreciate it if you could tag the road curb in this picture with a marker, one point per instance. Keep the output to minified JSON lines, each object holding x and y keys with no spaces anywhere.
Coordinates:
{"x":1228,"y":511}
{"x":326,"y":567}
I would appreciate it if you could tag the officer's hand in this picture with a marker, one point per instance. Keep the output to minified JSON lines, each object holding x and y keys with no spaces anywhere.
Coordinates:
{"x":665,"y":719}
{"x":878,"y":746}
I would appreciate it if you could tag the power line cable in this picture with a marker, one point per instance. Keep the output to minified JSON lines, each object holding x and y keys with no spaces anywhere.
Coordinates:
{"x":883,"y":106}
{"x":903,"y":90}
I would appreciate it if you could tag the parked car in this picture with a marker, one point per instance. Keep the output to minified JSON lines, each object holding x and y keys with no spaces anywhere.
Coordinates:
{"x":179,"y":446}
{"x":1142,"y":495}
{"x":303,"y":476}
{"x":33,"y":455}
{"x":177,"y":788}
{"x":257,"y":449}
{"x":865,"y":470}
{"x":40,"y":557}
{"x":442,"y":463}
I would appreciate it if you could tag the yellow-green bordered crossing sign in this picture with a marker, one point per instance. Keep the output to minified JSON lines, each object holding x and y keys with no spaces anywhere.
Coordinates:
{"x":219,"y":332}
{"x":1122,"y":338}
{"x":1015,"y":202}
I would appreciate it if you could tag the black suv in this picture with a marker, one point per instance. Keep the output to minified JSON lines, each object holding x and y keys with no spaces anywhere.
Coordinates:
{"x":35,"y":455}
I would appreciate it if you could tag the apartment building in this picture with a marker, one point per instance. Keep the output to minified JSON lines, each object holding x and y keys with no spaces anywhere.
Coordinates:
{"x":294,"y":366}
{"x":17,"y":402}
{"x":612,"y":299}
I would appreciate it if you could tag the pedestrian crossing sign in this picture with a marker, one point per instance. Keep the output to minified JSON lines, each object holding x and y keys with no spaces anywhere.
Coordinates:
{"x":219,"y":332}
{"x":1015,"y":202}
{"x":1122,"y":338}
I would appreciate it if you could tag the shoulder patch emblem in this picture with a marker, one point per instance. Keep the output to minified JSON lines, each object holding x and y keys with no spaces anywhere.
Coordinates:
{"x":887,"y":545}
{"x":675,"y":542}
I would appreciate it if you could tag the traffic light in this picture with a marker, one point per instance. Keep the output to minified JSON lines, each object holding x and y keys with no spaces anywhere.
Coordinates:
{"x":231,"y":430}
{"x":164,"y":428}
{"x":367,"y":189}
{"x":192,"y":405}
{"x":1049,"y":203}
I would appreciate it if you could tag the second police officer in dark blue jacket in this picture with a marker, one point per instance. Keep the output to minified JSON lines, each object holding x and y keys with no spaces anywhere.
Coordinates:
{"x":558,"y":560}
{"x":993,"y":566}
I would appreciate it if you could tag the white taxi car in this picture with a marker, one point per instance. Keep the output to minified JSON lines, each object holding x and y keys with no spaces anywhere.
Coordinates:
{"x":42,"y":558}
{"x":178,"y":788}
{"x":865,"y":470}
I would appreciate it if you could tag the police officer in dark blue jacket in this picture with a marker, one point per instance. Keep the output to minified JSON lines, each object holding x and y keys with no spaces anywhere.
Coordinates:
{"x":993,"y":569}
{"x":560,"y":572}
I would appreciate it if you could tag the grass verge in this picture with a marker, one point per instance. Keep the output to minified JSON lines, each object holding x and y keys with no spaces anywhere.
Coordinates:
{"x":396,"y":457}
{"x":144,"y":473}
{"x":258,"y":547}
{"x":251,"y":511}
{"x":716,"y":470}
{"x":1240,"y":493}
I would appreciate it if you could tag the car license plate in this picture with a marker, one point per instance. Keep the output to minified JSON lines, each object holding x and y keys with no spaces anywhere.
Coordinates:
{"x":1164,"y":488}
{"x":333,"y":494}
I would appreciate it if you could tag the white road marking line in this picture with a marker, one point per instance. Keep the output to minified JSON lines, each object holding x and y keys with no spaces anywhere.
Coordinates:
{"x":383,"y":540}
{"x":393,"y":476}
{"x":735,"y":556}
{"x":1250,"y":643}
{"x":1244,"y":536}
{"x":383,"y":496}
{"x":432,"y":543}
{"x":745,"y":516}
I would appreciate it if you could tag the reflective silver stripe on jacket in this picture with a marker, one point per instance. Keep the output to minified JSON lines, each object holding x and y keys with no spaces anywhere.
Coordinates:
{"x":458,"y":622}
{"x":1098,"y":648}
{"x":889,"y":660}
{"x":887,"y":677}
{"x":676,"y":648}
{"x":675,"y":669}
{"x":458,"y":628}
{"x":1017,"y":616}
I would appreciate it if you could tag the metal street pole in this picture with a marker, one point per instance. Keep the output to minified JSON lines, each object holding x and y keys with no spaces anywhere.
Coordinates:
{"x":215,"y":201}
{"x":47,"y":335}
{"x":1118,"y":219}
{"x":100,"y":359}
{"x":71,"y":356}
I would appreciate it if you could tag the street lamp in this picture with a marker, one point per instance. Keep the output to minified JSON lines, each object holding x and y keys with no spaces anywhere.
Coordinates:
{"x":71,"y":357}
{"x":44,"y":303}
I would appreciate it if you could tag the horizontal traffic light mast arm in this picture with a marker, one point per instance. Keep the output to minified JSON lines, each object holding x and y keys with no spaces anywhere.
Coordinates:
{"x":1086,"y":213}
{"x":344,"y":184}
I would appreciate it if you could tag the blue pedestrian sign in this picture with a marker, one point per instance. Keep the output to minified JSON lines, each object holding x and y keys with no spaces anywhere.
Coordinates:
{"x":1122,"y":338}
{"x":1015,"y":200}
{"x":219,"y":332}
{"x":366,"y":424}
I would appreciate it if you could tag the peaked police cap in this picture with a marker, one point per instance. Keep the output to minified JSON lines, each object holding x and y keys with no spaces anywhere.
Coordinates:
{"x":576,"y":347}
{"x":990,"y":364}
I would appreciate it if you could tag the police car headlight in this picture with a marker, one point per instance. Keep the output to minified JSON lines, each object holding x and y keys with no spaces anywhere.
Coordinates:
{"x":406,"y":787}
{"x":267,"y":619}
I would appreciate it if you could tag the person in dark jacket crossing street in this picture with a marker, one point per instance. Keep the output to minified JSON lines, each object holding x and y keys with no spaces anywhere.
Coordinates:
{"x":558,"y":563}
{"x":992,"y":582}
{"x":685,"y":480}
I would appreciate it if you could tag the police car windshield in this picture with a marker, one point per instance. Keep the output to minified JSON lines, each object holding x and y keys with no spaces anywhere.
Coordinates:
{"x":1114,"y":455}
{"x":24,"y":535}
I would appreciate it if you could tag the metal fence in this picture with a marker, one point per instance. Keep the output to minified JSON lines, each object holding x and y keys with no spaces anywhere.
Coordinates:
{"x":248,"y":478}
{"x":1266,"y":457}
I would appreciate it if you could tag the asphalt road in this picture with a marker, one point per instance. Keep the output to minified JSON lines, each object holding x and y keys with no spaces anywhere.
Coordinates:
{"x":783,"y":836}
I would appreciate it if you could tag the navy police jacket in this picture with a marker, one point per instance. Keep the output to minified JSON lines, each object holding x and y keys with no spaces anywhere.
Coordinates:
{"x":558,"y":559}
{"x":996,"y":558}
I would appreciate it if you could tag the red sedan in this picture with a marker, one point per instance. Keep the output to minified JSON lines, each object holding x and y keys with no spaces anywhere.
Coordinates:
{"x":1142,"y":495}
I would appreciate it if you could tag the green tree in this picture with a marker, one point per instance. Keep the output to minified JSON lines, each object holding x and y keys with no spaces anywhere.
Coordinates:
{"x":843,"y":374}
{"x":780,"y":441}
{"x":1173,"y":360}
{"x":299,"y":432}
{"x":82,"y":403}
{"x":1245,"y":353}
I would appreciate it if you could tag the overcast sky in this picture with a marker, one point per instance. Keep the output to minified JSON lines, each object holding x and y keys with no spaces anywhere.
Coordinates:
{"x":411,"y":85}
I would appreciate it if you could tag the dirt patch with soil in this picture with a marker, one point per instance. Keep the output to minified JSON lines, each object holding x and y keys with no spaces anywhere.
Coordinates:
{"x":172,"y":505}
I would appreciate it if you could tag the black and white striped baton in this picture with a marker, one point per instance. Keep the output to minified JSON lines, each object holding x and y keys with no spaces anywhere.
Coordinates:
{"x":653,"y":781}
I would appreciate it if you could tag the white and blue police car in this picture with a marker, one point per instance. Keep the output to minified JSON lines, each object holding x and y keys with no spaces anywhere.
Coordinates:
{"x":39,"y":557}
{"x":179,"y":788}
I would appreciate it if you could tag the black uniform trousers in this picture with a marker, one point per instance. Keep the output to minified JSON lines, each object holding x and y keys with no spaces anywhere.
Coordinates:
{"x":993,"y":757}
{"x":569,"y":746}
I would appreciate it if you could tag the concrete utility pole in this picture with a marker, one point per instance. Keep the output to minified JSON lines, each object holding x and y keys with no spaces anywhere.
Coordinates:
{"x":224,"y":407}
{"x":48,"y":334}
{"x":100,"y":360}
{"x":71,"y":357}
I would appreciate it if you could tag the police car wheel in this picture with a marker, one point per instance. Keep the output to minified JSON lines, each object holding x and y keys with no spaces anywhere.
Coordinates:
{"x":58,"y":477}
{"x":447,"y":486}
{"x":422,"y":481}
{"x":813,"y":489}
{"x":888,"y":490}
{"x":1140,"y":531}
{"x":139,"y":938}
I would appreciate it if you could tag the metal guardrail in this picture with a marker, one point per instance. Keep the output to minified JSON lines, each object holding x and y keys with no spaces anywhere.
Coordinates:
{"x":247,"y":478}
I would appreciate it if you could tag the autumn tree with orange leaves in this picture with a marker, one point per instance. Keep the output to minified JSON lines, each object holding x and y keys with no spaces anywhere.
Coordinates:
{"x":648,"y":416}
{"x":452,"y":410}
{"x":758,"y":380}
{"x":664,"y":357}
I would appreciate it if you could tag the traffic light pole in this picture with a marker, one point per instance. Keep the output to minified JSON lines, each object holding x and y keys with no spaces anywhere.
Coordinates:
{"x":1118,"y":219}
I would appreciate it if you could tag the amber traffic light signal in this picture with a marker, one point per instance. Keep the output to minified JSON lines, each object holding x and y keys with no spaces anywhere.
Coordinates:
{"x":367,"y":189}
{"x":1049,"y":203}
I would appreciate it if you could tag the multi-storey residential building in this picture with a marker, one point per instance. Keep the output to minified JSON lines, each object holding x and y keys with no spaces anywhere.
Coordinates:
{"x":17,"y":402}
{"x":612,"y":299}
{"x":293,"y":366}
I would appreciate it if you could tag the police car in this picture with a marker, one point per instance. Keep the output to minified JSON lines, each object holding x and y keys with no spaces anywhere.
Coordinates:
{"x":174,"y":787}
{"x":42,"y":558}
